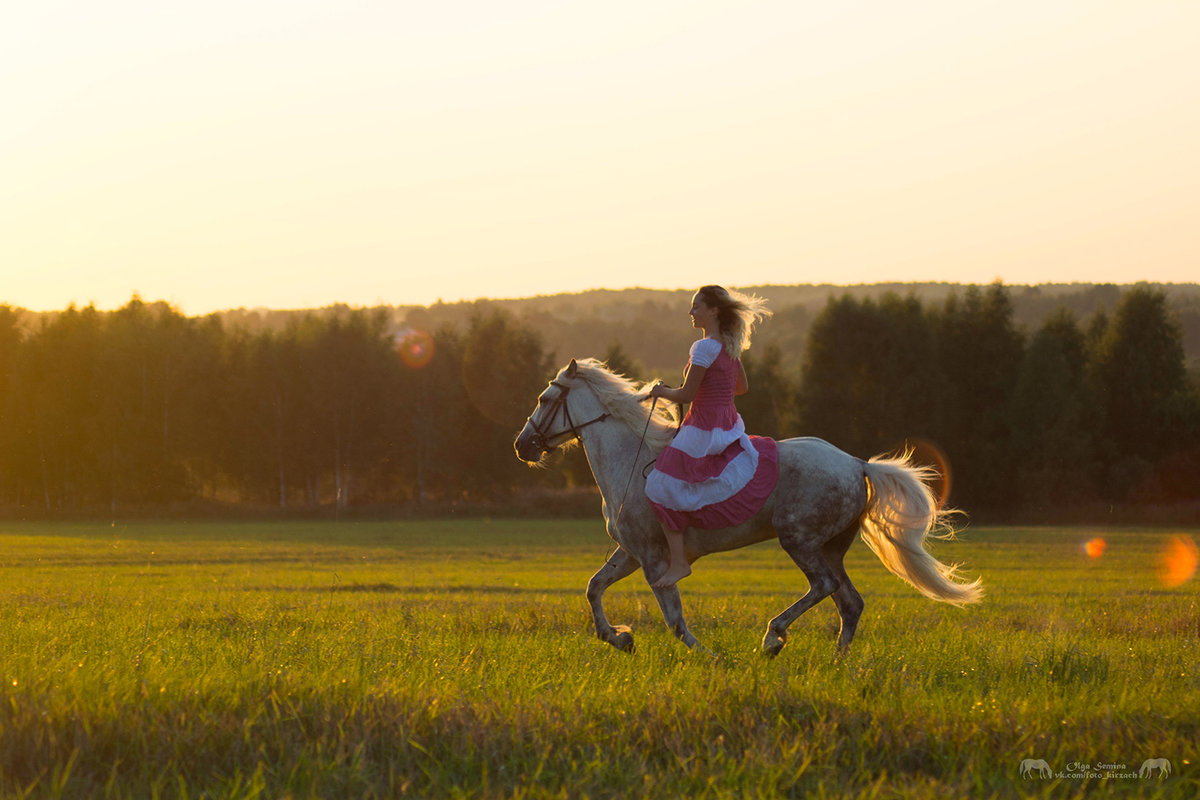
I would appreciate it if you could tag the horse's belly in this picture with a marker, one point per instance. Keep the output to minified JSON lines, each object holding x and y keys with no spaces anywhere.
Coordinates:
{"x":757,"y":529}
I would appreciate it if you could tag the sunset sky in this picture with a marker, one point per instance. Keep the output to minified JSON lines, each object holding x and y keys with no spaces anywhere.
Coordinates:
{"x":296,"y":154}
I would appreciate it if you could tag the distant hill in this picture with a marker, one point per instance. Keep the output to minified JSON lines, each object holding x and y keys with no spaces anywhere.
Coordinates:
{"x":652,"y":325}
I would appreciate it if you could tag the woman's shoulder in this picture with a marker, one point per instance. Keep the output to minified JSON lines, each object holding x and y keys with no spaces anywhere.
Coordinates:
{"x":704,"y":352}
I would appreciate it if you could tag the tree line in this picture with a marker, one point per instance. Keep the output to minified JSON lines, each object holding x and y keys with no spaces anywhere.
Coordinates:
{"x":144,"y":407}
{"x":1077,"y":412}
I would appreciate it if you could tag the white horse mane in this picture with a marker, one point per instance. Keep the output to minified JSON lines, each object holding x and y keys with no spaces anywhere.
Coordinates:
{"x":623,"y":399}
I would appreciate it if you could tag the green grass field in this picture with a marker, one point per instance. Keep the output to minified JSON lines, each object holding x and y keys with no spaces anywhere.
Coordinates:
{"x":456,"y":659}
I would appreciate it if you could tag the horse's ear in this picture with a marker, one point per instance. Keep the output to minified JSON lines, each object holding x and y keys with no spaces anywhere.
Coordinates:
{"x":572,"y":368}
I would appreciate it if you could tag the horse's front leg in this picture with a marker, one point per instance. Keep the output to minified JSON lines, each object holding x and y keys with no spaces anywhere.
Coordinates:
{"x":619,"y":565}
{"x":672,"y":609}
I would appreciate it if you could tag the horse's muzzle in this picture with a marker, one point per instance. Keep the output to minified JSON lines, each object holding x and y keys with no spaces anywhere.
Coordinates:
{"x":529,"y":445}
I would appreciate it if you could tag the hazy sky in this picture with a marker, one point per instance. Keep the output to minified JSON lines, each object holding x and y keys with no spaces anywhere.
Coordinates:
{"x":294,"y":154}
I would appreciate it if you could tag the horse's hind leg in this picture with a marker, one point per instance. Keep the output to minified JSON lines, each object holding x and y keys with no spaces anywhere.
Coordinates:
{"x":822,"y":582}
{"x":847,"y":599}
{"x":619,"y":565}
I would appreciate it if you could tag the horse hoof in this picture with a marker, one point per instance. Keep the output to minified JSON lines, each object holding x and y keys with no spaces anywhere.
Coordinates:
{"x":623,"y":641}
{"x":772,"y":644}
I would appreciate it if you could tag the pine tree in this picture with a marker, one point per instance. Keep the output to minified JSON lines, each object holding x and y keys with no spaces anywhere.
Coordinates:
{"x":1050,"y":414}
{"x":980,"y":352}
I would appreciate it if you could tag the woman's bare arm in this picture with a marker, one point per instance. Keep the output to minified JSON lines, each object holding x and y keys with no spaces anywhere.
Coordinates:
{"x":685,"y":393}
{"x":743,"y":383}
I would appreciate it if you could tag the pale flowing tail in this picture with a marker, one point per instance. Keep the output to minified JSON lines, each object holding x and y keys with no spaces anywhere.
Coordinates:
{"x":901,"y":513}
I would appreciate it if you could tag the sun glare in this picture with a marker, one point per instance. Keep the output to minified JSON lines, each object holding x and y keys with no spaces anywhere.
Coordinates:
{"x":415,"y":347}
{"x":928,"y":453}
{"x":1095,"y":547}
{"x":1177,"y":564}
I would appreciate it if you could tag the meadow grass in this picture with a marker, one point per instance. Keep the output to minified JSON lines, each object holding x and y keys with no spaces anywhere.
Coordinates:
{"x":456,"y":658}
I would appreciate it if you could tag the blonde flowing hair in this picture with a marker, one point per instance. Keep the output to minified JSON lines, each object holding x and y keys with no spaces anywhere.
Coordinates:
{"x":737,"y":314}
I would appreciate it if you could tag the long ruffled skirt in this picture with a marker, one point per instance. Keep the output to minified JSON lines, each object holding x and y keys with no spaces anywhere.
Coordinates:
{"x":714,"y":478}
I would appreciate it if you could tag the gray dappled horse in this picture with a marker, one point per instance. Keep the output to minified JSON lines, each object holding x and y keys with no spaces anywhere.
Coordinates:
{"x":823,"y":497}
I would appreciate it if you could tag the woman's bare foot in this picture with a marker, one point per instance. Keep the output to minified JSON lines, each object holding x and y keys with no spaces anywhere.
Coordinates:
{"x":673,"y":576}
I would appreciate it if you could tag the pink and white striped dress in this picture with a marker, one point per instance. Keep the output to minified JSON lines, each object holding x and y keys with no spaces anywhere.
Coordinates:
{"x":713,"y":475}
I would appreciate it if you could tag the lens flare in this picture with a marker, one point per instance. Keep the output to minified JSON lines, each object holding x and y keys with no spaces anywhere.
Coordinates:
{"x":1177,"y":563}
{"x":1095,"y":547}
{"x":927,"y":453}
{"x":415,"y":347}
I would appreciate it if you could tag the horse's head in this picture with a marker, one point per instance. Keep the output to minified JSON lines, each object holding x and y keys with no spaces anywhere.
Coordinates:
{"x":553,"y":422}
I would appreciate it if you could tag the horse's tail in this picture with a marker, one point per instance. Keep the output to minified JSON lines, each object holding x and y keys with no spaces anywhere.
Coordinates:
{"x":901,"y":513}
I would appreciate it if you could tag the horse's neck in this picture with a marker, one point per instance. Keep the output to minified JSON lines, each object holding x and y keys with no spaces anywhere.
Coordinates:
{"x":610,"y":451}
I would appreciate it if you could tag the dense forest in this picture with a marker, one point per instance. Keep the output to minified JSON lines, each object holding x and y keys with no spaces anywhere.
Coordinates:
{"x":1036,"y":401}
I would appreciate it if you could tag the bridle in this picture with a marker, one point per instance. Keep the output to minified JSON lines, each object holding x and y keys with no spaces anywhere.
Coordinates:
{"x":542,"y":439}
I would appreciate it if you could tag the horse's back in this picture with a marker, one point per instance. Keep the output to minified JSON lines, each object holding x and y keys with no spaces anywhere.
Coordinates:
{"x":820,"y":489}
{"x":816,"y":460}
